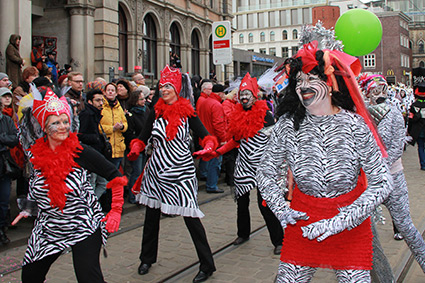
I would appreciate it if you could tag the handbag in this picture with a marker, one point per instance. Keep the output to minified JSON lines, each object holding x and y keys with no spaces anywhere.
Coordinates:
{"x":107,"y":150}
{"x":10,"y":167}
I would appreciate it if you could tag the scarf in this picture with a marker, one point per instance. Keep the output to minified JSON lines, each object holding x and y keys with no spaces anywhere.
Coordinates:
{"x":55,"y":166}
{"x":174,"y":114}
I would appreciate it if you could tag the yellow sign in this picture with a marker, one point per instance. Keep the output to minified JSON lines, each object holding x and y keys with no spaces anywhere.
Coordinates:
{"x":220,"y":31}
{"x":390,"y":72}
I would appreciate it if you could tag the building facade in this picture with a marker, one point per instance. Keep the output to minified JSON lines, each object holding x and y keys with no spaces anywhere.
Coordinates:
{"x":99,"y":36}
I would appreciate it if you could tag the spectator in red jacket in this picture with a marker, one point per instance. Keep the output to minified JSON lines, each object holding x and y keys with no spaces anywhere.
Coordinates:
{"x":211,"y":113}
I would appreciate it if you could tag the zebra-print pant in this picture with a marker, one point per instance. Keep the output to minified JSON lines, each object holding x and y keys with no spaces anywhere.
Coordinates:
{"x":398,"y":205}
{"x":290,"y":273}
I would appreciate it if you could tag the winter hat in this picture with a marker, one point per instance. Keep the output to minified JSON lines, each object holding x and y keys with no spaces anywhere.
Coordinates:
{"x":4,"y":91}
{"x":145,"y":90}
{"x":3,"y":75}
{"x":218,"y":88}
{"x":249,"y":84}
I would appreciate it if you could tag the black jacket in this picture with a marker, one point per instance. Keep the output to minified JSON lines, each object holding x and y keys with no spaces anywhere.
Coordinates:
{"x":8,"y":137}
{"x":417,"y":121}
{"x":89,"y":128}
{"x":136,"y":123}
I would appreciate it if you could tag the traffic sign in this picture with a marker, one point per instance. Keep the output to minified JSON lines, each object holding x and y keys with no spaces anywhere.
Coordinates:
{"x":222,"y":45}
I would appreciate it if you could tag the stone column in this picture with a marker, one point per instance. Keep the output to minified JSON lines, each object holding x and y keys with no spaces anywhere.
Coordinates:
{"x":204,"y":66}
{"x":82,"y":40}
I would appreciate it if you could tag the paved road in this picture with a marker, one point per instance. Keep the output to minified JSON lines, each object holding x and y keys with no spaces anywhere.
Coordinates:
{"x":251,"y":262}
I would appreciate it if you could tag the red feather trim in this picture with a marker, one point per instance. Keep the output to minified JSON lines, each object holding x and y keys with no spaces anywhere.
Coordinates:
{"x":117,"y":182}
{"x":244,"y":124}
{"x":173,"y":114}
{"x":209,"y":139}
{"x":55,"y":166}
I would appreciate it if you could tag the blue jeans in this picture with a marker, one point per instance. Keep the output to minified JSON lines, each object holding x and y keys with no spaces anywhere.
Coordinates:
{"x":203,"y":168}
{"x":213,"y":172}
{"x":137,"y":166}
{"x":5,"y":184}
{"x":421,"y":151}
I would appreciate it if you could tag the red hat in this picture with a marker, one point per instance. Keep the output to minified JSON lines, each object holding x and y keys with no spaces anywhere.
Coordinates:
{"x":171,"y":76}
{"x":50,"y":105}
{"x":249,"y":84}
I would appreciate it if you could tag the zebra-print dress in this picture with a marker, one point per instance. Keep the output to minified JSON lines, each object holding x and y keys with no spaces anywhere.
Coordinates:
{"x":55,"y":230}
{"x":169,"y":179}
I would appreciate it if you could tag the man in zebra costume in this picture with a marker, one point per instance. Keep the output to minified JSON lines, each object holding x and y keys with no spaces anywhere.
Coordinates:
{"x":392,"y":129}
{"x":249,"y":130}
{"x":335,"y":156}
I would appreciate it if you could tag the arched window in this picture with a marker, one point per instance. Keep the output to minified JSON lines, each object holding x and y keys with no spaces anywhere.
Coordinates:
{"x":262,"y":36}
{"x":422,"y":64}
{"x":175,"y":45}
{"x":149,"y":46}
{"x":284,"y":35}
{"x":241,"y":38}
{"x":123,"y":39}
{"x":421,"y":46}
{"x":294,"y":34}
{"x":250,"y":37}
{"x":272,"y":36}
{"x":196,"y":62}
{"x":210,"y":55}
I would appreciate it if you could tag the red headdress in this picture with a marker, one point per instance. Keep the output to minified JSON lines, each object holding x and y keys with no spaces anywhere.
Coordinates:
{"x":172,"y":76}
{"x":249,"y":83}
{"x":348,"y":67}
{"x":50,"y":105}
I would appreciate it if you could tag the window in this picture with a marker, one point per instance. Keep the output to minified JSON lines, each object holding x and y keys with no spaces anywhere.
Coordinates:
{"x":175,"y":45}
{"x":282,"y":16}
{"x":262,"y":36}
{"x":421,"y":46}
{"x":294,"y":50}
{"x":149,"y":46}
{"x":272,"y":19}
{"x":250,"y":37}
{"x":263,"y":50}
{"x":284,"y":35}
{"x":422,"y":64}
{"x":272,"y":36}
{"x":294,"y":34}
{"x":241,"y":38}
{"x":210,"y":54}
{"x":196,"y":62}
{"x":123,"y":39}
{"x":272,"y":51}
{"x":369,"y":61}
{"x":294,"y":17}
{"x":285,"y":52}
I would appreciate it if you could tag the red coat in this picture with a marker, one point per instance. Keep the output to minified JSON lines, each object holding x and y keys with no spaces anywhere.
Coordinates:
{"x":211,"y":113}
{"x":201,"y":99}
{"x":228,"y":106}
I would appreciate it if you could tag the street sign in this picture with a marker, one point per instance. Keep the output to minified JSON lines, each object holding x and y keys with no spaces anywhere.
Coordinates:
{"x":222,"y":45}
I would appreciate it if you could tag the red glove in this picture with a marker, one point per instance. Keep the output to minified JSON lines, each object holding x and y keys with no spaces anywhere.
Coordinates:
{"x":231,"y":144}
{"x":113,"y":218}
{"x":209,"y":143}
{"x":136,"y":147}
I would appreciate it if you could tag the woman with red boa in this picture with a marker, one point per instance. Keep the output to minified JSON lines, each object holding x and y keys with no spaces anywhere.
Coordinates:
{"x":68,"y":212}
{"x":168,"y":183}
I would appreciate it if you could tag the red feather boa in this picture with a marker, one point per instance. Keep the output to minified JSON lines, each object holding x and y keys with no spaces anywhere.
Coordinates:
{"x":244,"y":124}
{"x":55,"y":166}
{"x":173,"y":114}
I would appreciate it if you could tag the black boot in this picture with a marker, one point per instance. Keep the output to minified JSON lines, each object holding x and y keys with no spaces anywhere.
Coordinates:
{"x":4,"y":240}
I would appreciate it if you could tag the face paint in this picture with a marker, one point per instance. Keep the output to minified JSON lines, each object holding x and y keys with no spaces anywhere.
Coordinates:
{"x":378,"y":94}
{"x":247,"y":99}
{"x":57,"y":127}
{"x":311,"y":90}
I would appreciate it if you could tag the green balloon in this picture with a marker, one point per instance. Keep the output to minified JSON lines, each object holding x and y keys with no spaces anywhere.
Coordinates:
{"x":359,"y":30}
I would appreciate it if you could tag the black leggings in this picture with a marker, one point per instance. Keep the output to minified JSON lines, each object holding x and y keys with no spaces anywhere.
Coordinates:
{"x":85,"y":256}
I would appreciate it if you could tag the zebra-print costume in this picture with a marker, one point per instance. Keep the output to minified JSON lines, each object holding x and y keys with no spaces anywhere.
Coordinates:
{"x":247,"y":161}
{"x":393,"y":132}
{"x":325,"y":156}
{"x":55,"y":230}
{"x":169,"y":180}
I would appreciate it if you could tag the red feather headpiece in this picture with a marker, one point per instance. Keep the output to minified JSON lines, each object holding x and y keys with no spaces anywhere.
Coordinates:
{"x":172,"y":76}
{"x":50,"y":105}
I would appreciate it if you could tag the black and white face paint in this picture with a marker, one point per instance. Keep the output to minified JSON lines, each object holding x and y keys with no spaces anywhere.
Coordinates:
{"x":378,"y":94}
{"x":311,"y":90}
{"x":247,"y":99}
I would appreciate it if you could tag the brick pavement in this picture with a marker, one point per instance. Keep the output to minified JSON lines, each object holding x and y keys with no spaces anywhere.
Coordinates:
{"x":250,"y":262}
